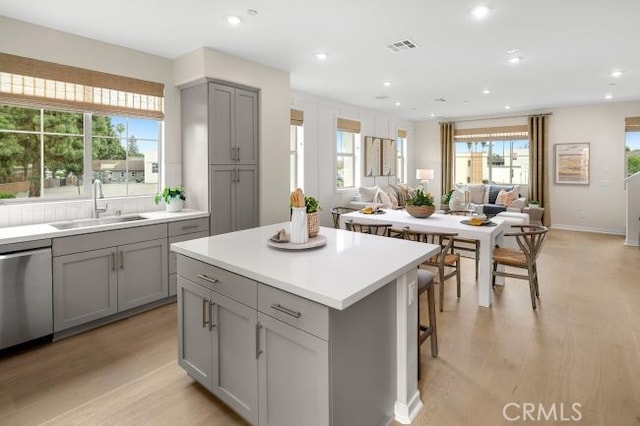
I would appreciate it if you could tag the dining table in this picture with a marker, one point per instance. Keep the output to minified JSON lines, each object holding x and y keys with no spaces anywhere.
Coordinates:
{"x":489,"y":235}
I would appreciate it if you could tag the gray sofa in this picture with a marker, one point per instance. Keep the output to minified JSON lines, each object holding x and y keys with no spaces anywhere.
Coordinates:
{"x":484,"y":197}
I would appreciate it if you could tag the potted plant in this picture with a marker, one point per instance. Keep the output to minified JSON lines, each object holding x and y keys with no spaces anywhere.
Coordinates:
{"x":421,"y":204}
{"x":534,"y":203}
{"x":446,"y":198}
{"x":313,"y":215}
{"x":172,"y":197}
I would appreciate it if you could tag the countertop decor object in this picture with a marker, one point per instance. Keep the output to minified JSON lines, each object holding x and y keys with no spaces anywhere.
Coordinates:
{"x":172,"y":197}
{"x":312,"y":242}
{"x":421,"y":204}
{"x":421,"y":212}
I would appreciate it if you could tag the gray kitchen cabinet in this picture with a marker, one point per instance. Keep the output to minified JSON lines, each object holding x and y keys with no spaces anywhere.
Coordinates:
{"x":99,"y":274}
{"x":220,"y":139}
{"x":293,"y":381}
{"x":235,"y":204}
{"x":182,"y":231}
{"x":84,"y":287}
{"x":217,"y":345}
{"x":142,"y":273}
{"x":233,"y":125}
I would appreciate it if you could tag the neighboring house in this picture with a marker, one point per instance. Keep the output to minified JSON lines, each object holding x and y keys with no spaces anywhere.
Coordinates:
{"x":118,"y":171}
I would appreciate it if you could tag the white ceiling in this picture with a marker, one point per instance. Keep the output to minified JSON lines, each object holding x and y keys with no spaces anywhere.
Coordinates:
{"x":569,"y":47}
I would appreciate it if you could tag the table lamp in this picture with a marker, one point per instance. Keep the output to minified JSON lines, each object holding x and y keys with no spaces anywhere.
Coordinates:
{"x":425,"y":175}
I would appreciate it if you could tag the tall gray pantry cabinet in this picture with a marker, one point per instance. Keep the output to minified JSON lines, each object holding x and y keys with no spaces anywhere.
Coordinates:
{"x":220,"y":153}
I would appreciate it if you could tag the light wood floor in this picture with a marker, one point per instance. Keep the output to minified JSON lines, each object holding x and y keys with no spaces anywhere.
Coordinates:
{"x":581,"y":345}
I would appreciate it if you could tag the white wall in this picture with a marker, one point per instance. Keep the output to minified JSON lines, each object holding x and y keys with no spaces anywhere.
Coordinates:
{"x":273,"y":113}
{"x":320,"y":117}
{"x":599,"y":207}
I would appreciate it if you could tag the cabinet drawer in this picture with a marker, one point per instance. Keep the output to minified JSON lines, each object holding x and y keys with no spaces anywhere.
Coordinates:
{"x":189,"y":226}
{"x":97,"y":240}
{"x":297,"y":311}
{"x":177,"y":239}
{"x":232,"y":285}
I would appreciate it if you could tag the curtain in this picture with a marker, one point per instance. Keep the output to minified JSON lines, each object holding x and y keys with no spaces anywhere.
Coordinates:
{"x":539,"y":158}
{"x":446,"y":148}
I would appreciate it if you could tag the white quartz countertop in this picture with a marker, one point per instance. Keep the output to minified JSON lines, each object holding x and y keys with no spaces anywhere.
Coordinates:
{"x":345,"y":270}
{"x":18,"y":234}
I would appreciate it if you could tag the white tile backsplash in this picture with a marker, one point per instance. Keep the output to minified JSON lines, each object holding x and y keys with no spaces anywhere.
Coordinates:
{"x":27,"y":214}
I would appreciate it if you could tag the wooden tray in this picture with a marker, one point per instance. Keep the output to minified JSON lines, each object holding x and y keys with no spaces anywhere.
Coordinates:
{"x":317,"y":241}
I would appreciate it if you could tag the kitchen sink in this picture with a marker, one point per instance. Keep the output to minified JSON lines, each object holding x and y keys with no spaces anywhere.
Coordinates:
{"x":85,"y":223}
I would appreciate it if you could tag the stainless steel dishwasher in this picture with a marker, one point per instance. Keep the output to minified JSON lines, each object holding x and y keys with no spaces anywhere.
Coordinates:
{"x":26,"y":292}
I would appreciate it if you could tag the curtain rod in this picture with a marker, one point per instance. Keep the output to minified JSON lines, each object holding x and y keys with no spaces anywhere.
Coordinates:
{"x":501,"y":117}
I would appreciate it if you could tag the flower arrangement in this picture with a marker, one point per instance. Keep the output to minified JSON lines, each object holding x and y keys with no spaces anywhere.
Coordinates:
{"x":168,"y":194}
{"x":312,"y":205}
{"x":420,"y":198}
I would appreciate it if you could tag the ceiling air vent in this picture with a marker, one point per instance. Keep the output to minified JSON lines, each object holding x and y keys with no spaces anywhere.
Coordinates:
{"x":401,"y":46}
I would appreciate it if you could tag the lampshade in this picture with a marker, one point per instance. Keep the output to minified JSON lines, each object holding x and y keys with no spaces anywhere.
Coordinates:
{"x":424,"y":174}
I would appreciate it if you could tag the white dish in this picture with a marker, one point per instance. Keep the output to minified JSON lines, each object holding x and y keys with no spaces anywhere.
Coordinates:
{"x":317,"y":241}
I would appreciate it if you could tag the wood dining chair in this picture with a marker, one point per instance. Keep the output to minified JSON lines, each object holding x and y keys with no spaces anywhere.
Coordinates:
{"x":466,"y":244}
{"x":368,"y":228}
{"x":447,"y":262}
{"x":336,"y":212}
{"x":530,"y":239}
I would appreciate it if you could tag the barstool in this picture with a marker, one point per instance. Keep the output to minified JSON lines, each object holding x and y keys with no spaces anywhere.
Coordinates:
{"x":425,"y":284}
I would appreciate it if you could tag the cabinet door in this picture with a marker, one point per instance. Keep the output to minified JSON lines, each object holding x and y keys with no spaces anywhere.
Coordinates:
{"x":221,"y":124}
{"x":143,"y":275}
{"x":246,"y":197}
{"x":235,"y":368}
{"x":84,"y":287}
{"x":246,"y":127}
{"x":293,"y":375}
{"x":194,"y":336}
{"x":221,"y":199}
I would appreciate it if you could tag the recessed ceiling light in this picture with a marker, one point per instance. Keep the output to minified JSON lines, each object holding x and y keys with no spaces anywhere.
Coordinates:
{"x":486,"y":91}
{"x":234,"y":20}
{"x":397,"y":104}
{"x":322,"y":56}
{"x":616,"y":74}
{"x":386,"y":83}
{"x":512,"y":51}
{"x":515,"y":59}
{"x":608,"y":96}
{"x":433,"y":114}
{"x":480,"y":12}
{"x":507,"y":107}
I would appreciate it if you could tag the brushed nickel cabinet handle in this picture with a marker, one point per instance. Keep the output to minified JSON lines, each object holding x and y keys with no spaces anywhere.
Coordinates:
{"x":186,"y":227}
{"x":211,"y":323}
{"x":121,"y":260}
{"x":113,"y":262}
{"x":206,"y":278}
{"x":258,"y":350}
{"x":238,"y":155}
{"x":204,"y":312}
{"x":279,"y":307}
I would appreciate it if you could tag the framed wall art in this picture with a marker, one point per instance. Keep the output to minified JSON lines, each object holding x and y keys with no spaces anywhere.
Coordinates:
{"x":372,"y":155}
{"x":389,"y":157}
{"x":572,"y":163}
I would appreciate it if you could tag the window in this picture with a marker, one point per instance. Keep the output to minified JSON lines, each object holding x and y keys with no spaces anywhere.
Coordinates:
{"x":347,"y":153}
{"x":492,"y":155}
{"x":401,"y":155}
{"x":51,"y":146}
{"x":632,"y":146}
{"x":296,"y":150}
{"x":43,"y":152}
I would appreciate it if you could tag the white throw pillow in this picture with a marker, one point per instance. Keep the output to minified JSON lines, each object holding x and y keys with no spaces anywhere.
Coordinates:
{"x":367,"y":193}
{"x":383,"y":199}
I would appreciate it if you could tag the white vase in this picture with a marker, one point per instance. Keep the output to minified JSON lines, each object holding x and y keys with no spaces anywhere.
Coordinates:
{"x":299,"y":230}
{"x":174,"y":205}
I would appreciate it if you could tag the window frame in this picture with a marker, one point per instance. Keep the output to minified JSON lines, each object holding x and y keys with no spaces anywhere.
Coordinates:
{"x":489,"y":166}
{"x":356,"y":158}
{"x":88,"y":172}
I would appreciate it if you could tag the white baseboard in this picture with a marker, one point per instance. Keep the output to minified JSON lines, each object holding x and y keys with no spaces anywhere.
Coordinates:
{"x":615,"y":231}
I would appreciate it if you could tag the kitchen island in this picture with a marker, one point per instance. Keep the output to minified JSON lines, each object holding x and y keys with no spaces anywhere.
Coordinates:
{"x":321,"y":336}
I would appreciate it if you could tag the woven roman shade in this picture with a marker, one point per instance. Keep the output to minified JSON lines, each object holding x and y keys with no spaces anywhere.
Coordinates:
{"x":402,"y":133}
{"x":34,"y":83}
{"x":351,"y":126}
{"x":632,"y":124}
{"x":503,"y":133}
{"x":297,"y":117}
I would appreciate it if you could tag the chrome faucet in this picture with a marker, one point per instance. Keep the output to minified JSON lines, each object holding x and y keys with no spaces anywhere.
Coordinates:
{"x":97,"y":193}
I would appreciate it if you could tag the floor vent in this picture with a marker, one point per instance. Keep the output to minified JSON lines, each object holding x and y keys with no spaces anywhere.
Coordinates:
{"x":401,"y":46}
